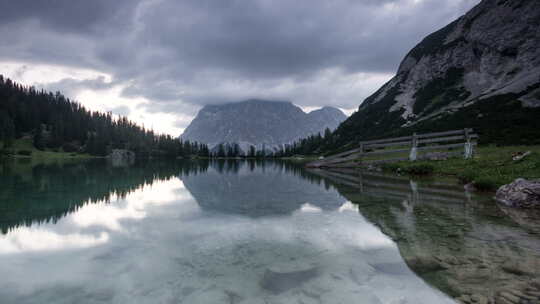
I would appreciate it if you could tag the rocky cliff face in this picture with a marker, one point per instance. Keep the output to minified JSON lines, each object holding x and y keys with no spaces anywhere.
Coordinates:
{"x":490,"y":55}
{"x":258,"y":122}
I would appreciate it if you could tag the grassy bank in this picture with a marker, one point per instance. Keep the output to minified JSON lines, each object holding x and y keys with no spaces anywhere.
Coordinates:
{"x":24,"y":148}
{"x":490,"y":168}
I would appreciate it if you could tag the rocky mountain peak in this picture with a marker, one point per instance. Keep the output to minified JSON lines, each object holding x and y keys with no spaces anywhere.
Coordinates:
{"x":259,"y":122}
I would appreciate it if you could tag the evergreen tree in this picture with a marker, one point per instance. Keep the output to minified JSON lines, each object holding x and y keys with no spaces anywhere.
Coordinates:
{"x":252,"y":151}
{"x":7,"y":129}
{"x":221,"y":151}
{"x":26,"y":111}
{"x":39,"y":140}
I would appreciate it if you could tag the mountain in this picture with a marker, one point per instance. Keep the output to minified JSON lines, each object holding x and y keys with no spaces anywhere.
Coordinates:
{"x":480,"y":71}
{"x":259,"y":122}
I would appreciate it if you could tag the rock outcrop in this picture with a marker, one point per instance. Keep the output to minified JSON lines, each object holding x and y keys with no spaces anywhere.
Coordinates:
{"x":259,"y":122}
{"x":521,"y":193}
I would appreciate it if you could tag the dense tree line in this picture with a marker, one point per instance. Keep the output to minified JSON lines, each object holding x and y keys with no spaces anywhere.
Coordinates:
{"x":312,"y":144}
{"x":56,"y":122}
{"x":227,"y":150}
{"x":233,"y":150}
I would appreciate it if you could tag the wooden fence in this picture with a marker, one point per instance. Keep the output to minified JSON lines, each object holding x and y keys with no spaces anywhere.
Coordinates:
{"x":374,"y":151}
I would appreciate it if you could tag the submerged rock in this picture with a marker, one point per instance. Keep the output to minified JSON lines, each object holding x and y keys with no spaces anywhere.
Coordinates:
{"x":278,"y":282}
{"x":470,"y":187}
{"x":528,"y":219}
{"x":521,"y":193}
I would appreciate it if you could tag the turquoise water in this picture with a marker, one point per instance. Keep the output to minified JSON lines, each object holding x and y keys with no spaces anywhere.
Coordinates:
{"x":194,"y":232}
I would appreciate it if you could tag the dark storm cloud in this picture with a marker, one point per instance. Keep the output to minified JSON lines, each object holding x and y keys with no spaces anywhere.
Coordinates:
{"x":65,"y":15}
{"x":208,"y":51}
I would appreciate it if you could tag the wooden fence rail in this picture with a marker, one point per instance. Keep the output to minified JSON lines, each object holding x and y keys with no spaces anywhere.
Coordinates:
{"x":406,"y":144}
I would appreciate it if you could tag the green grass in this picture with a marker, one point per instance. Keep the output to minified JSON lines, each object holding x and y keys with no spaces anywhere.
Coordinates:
{"x":24,"y":148}
{"x":491,"y":167}
{"x":411,"y":168}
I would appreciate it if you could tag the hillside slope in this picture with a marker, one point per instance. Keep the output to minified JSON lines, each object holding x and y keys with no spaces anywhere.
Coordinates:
{"x":480,"y":71}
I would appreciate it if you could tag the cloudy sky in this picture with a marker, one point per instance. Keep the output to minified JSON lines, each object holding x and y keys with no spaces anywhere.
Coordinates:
{"x":160,"y":61}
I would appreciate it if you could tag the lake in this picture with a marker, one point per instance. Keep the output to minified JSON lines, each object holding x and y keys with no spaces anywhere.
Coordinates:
{"x":255,"y":232}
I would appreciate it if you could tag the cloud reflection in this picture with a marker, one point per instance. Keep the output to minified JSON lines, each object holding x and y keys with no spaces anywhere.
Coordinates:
{"x":91,"y":224}
{"x":26,"y":239}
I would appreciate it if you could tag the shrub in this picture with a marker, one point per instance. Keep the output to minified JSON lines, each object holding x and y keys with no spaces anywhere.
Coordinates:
{"x":466,"y":176}
{"x":5,"y":152}
{"x":485,"y":184}
{"x":69,"y":147}
{"x":415,"y":169}
{"x":24,"y":152}
{"x":390,"y":167}
{"x":420,"y":169}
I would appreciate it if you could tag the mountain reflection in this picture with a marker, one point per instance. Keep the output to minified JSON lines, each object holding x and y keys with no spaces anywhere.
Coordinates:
{"x":260,"y":189}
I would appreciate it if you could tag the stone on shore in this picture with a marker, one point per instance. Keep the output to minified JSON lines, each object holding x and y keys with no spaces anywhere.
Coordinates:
{"x":521,"y":193}
{"x":121,"y":157}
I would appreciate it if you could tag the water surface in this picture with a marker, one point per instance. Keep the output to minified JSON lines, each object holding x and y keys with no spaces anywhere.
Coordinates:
{"x":241,"y":232}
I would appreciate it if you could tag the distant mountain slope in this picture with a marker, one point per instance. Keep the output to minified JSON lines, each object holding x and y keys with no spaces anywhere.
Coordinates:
{"x":482,"y":70}
{"x":258,"y":122}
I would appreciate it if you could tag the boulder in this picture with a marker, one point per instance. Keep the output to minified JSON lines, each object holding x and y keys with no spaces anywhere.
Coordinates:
{"x":121,"y":157}
{"x":521,"y":193}
{"x":520,"y":155}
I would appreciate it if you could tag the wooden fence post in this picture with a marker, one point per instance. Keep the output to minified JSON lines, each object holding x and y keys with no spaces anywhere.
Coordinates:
{"x":468,"y":145}
{"x":413,"y":155}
